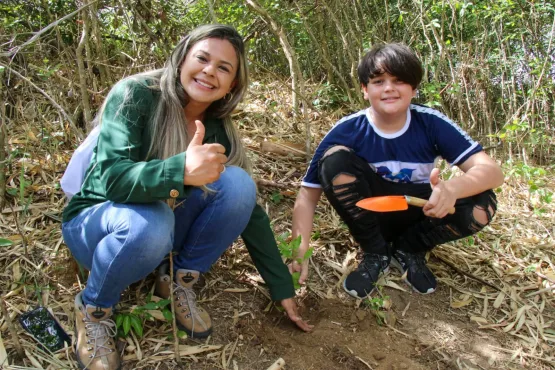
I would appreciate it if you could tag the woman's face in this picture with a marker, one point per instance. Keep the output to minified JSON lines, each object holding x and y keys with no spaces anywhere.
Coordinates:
{"x":208,"y":71}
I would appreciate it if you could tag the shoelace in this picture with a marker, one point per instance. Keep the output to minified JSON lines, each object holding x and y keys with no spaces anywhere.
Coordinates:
{"x":100,"y":334}
{"x":416,"y":261}
{"x":191,"y":301}
{"x":370,"y":260}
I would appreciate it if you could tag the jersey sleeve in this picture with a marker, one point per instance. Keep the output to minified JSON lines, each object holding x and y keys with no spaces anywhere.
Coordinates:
{"x":342,"y":133}
{"x":452,"y":142}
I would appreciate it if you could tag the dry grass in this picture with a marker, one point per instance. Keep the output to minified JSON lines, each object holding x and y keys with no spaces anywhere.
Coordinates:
{"x":502,"y":278}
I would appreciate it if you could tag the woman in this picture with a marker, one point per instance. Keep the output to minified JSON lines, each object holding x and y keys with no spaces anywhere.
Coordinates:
{"x":165,"y":134}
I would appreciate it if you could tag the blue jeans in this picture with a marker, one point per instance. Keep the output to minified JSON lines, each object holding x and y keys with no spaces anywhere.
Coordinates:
{"x":122,"y":243}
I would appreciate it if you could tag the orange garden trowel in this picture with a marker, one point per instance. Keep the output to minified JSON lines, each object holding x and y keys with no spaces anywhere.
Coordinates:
{"x":391,"y":203}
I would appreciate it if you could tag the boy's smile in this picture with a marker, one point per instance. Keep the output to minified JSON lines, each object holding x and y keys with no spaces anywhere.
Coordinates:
{"x":389,"y":99}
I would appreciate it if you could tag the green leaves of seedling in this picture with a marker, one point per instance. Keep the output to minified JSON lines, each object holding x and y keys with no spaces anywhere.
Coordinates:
{"x":126,"y":325}
{"x":137,"y":325}
{"x":127,"y":321}
{"x":307,"y":254}
{"x":276,"y":197}
{"x":181,"y":334}
{"x":288,"y":249}
{"x":5,"y":242}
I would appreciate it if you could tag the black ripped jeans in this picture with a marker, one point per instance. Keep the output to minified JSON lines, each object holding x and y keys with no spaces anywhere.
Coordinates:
{"x":409,"y":230}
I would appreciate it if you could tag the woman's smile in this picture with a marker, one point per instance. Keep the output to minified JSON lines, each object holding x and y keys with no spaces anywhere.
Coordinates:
{"x":204,"y":84}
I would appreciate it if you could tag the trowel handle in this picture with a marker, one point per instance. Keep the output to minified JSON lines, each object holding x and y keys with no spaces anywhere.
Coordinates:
{"x":419,"y":202}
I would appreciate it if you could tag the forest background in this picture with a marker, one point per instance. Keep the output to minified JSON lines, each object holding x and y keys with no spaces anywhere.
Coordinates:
{"x":489,"y":65}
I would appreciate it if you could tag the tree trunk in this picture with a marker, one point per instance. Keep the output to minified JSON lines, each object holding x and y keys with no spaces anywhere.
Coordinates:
{"x":81,"y":69}
{"x":2,"y":143}
{"x":294,"y":69}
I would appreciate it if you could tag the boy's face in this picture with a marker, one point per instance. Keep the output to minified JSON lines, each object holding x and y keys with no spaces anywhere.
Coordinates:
{"x":388,"y":95}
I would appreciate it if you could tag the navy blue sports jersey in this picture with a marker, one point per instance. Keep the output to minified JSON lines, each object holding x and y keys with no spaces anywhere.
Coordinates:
{"x":407,"y":155}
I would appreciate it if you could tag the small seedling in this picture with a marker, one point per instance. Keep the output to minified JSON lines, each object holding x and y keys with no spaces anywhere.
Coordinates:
{"x":469,"y":241}
{"x":379,"y":305}
{"x":127,"y":321}
{"x":288,"y":248}
{"x":276,"y":197}
{"x":530,"y":268}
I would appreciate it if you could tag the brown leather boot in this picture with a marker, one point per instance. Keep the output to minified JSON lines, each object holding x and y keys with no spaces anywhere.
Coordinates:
{"x":95,"y":346}
{"x":162,"y":284}
{"x":191,"y":318}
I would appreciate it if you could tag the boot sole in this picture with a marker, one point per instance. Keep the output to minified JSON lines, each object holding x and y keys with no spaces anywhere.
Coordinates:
{"x":397,"y":266}
{"x":83,"y":367}
{"x":354,"y":294}
{"x":191,"y":334}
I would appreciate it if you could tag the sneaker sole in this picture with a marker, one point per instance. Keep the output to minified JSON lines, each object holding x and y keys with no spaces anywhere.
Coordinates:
{"x":354,"y":294}
{"x":395,"y":264}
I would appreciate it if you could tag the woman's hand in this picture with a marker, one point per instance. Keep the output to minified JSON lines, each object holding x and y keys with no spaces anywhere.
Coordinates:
{"x":290,"y":307}
{"x":203,"y":162}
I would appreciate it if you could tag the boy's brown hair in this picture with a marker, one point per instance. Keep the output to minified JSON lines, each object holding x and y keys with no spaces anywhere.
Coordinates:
{"x":396,"y":59}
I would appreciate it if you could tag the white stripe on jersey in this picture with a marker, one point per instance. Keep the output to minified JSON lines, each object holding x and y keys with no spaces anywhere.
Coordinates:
{"x":436,"y":113}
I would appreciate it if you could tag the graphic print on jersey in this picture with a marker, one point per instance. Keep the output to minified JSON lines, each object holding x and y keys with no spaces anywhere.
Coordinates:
{"x":403,"y":176}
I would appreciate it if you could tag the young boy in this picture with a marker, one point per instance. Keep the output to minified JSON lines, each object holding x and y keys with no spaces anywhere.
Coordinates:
{"x":390,"y":149}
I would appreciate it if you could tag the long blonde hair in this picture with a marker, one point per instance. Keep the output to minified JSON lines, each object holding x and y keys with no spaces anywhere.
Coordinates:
{"x":168,"y":124}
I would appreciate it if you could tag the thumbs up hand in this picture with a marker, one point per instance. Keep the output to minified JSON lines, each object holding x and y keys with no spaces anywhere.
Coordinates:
{"x":443,"y":197}
{"x":203,"y":162}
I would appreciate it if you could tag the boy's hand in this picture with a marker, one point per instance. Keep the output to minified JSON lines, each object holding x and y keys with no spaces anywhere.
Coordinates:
{"x":442,"y":198}
{"x":295,"y":266}
{"x":290,"y":307}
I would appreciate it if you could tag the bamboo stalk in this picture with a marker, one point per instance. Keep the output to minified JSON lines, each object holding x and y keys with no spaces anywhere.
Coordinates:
{"x":11,"y":327}
{"x":174,"y":323}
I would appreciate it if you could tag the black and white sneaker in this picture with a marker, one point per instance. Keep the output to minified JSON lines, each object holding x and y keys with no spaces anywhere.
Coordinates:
{"x":418,"y":275}
{"x":361,"y":282}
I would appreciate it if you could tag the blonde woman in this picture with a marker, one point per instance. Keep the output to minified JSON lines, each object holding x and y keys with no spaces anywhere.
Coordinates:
{"x":165,"y":134}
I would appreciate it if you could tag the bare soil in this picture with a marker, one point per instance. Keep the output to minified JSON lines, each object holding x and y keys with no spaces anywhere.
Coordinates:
{"x":425,"y":333}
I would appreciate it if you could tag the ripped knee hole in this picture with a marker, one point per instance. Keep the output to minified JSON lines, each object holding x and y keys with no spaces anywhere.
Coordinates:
{"x":342,"y":179}
{"x":481,"y":216}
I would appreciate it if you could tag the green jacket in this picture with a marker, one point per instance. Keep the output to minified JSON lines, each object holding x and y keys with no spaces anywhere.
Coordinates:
{"x":118,"y":172}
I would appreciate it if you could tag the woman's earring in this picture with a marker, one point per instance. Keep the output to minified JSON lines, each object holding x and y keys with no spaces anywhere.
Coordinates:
{"x":228,"y":96}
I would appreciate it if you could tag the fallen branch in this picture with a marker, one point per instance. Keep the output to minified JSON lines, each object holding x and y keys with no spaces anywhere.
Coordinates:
{"x":448,"y":263}
{"x":282,"y":148}
{"x":174,"y":324}
{"x":548,"y":289}
{"x":364,"y":362}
